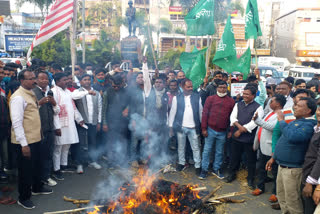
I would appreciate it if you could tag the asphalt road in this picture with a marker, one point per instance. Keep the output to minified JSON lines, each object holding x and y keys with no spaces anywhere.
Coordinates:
{"x":94,"y":183}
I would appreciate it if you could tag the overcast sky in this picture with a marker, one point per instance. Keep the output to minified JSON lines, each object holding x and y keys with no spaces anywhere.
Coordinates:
{"x":289,"y":5}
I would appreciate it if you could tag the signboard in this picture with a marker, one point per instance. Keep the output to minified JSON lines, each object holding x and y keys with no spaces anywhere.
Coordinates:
{"x":307,"y":53}
{"x":313,"y":39}
{"x":17,"y":43}
{"x":176,"y":10}
{"x":237,"y":88}
{"x":131,"y":50}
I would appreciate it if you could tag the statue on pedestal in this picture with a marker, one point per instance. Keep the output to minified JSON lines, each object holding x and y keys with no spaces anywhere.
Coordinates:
{"x":131,"y":17}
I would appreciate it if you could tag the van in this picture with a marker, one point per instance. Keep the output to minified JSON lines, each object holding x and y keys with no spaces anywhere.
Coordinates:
{"x":305,"y":73}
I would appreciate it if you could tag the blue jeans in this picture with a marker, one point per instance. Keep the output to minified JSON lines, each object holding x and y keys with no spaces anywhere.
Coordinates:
{"x":194,"y":142}
{"x":214,"y":137}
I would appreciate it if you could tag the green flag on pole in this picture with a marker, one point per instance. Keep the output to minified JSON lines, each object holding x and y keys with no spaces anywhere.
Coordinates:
{"x":226,"y":55}
{"x":193,"y":65}
{"x":252,"y":23}
{"x":200,"y":19}
{"x":243,"y":63}
{"x":198,"y":71}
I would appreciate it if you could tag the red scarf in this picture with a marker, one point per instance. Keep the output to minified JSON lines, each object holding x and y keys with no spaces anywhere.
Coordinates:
{"x":260,"y":129}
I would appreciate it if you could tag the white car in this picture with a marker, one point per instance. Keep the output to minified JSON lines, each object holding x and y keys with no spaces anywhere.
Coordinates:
{"x":22,"y":61}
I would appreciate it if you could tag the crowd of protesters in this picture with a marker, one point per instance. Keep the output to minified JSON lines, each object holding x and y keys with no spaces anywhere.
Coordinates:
{"x":52,"y":123}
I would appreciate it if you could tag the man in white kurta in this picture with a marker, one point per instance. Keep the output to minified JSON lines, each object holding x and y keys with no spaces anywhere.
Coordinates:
{"x":66,"y":131}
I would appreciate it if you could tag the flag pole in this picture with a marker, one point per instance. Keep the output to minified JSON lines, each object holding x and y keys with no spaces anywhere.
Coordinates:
{"x":73,"y":33}
{"x":150,"y":38}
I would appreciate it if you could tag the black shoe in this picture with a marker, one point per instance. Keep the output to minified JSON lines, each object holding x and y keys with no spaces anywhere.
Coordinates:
{"x":180,"y":167}
{"x":268,"y":180}
{"x":198,"y":171}
{"x":65,"y":169}
{"x":203,"y":175}
{"x":27,"y":204}
{"x":230,"y":178}
{"x":42,"y":191}
{"x":251,"y":184}
{"x":58,"y":175}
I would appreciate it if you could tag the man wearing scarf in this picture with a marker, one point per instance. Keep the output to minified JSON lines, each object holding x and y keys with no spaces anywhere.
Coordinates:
{"x":215,"y":121}
{"x":158,"y":116}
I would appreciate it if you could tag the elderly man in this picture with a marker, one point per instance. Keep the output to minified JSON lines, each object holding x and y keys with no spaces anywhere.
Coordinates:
{"x":26,"y":135}
{"x":290,"y":154}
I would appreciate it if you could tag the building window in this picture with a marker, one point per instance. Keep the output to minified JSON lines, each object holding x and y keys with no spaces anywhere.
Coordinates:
{"x":141,"y":1}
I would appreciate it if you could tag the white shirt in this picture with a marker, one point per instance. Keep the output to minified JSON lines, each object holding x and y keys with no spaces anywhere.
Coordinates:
{"x":187,"y":120}
{"x":76,"y":95}
{"x":249,"y":126}
{"x":17,"y":114}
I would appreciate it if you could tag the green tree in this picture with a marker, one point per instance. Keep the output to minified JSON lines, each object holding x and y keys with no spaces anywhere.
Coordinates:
{"x":171,"y":58}
{"x":105,"y":16}
{"x":103,"y":51}
{"x":180,"y":31}
{"x":43,"y":5}
{"x":165,"y":25}
{"x":56,"y":49}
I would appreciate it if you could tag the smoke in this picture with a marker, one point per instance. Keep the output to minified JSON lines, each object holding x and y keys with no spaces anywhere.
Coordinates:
{"x":148,"y":143}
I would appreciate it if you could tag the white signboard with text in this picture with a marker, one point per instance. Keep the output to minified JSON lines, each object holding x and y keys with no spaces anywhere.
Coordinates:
{"x":237,"y":88}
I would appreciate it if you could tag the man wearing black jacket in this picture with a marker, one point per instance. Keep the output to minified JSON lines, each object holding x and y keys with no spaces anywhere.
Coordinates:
{"x":311,"y":169}
{"x":48,"y":108}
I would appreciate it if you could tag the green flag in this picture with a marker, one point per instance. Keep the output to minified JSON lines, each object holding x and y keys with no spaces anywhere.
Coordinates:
{"x":252,"y":23}
{"x":200,"y":19}
{"x":198,"y":71}
{"x":193,"y":65}
{"x":226,"y":55}
{"x":243,"y":63}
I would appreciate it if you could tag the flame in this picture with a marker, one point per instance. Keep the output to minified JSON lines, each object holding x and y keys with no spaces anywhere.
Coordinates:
{"x":96,"y":210}
{"x":143,"y":190}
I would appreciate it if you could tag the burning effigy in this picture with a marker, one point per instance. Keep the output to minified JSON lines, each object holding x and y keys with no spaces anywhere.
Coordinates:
{"x":146,"y":193}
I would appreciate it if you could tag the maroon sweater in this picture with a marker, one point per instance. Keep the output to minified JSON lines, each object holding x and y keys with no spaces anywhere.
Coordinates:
{"x":216,"y":113}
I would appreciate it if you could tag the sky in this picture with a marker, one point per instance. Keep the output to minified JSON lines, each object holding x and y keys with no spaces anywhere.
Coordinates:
{"x":289,"y":5}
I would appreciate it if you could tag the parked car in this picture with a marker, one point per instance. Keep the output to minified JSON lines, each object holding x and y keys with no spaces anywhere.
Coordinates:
{"x":22,"y":61}
{"x":4,"y":54}
{"x":305,"y":73}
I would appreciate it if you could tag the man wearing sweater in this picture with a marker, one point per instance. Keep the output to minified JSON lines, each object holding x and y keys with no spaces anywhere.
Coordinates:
{"x":290,"y":153}
{"x":215,"y":121}
{"x":244,"y":130}
{"x":311,"y":169}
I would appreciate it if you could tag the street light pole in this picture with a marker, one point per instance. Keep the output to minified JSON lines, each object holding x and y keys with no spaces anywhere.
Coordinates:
{"x":83,"y":32}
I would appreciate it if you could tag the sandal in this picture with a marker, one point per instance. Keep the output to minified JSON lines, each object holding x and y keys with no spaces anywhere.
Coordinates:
{"x":7,"y":201}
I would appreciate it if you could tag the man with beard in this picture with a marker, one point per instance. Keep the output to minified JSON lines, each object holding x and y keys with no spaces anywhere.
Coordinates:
{"x":158,"y":116}
{"x":26,"y":135}
{"x":185,"y":117}
{"x":115,"y":121}
{"x":138,"y":112}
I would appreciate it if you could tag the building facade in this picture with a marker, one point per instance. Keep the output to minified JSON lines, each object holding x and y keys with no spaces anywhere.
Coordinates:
{"x":297,"y":36}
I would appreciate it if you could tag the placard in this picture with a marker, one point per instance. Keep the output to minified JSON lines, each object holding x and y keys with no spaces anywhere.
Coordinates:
{"x":237,"y":88}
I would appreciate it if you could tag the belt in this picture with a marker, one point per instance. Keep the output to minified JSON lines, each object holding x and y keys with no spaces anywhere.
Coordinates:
{"x":287,"y":167}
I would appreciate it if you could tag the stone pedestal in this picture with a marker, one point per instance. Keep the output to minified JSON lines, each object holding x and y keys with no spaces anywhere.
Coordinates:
{"x":131,"y":50}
